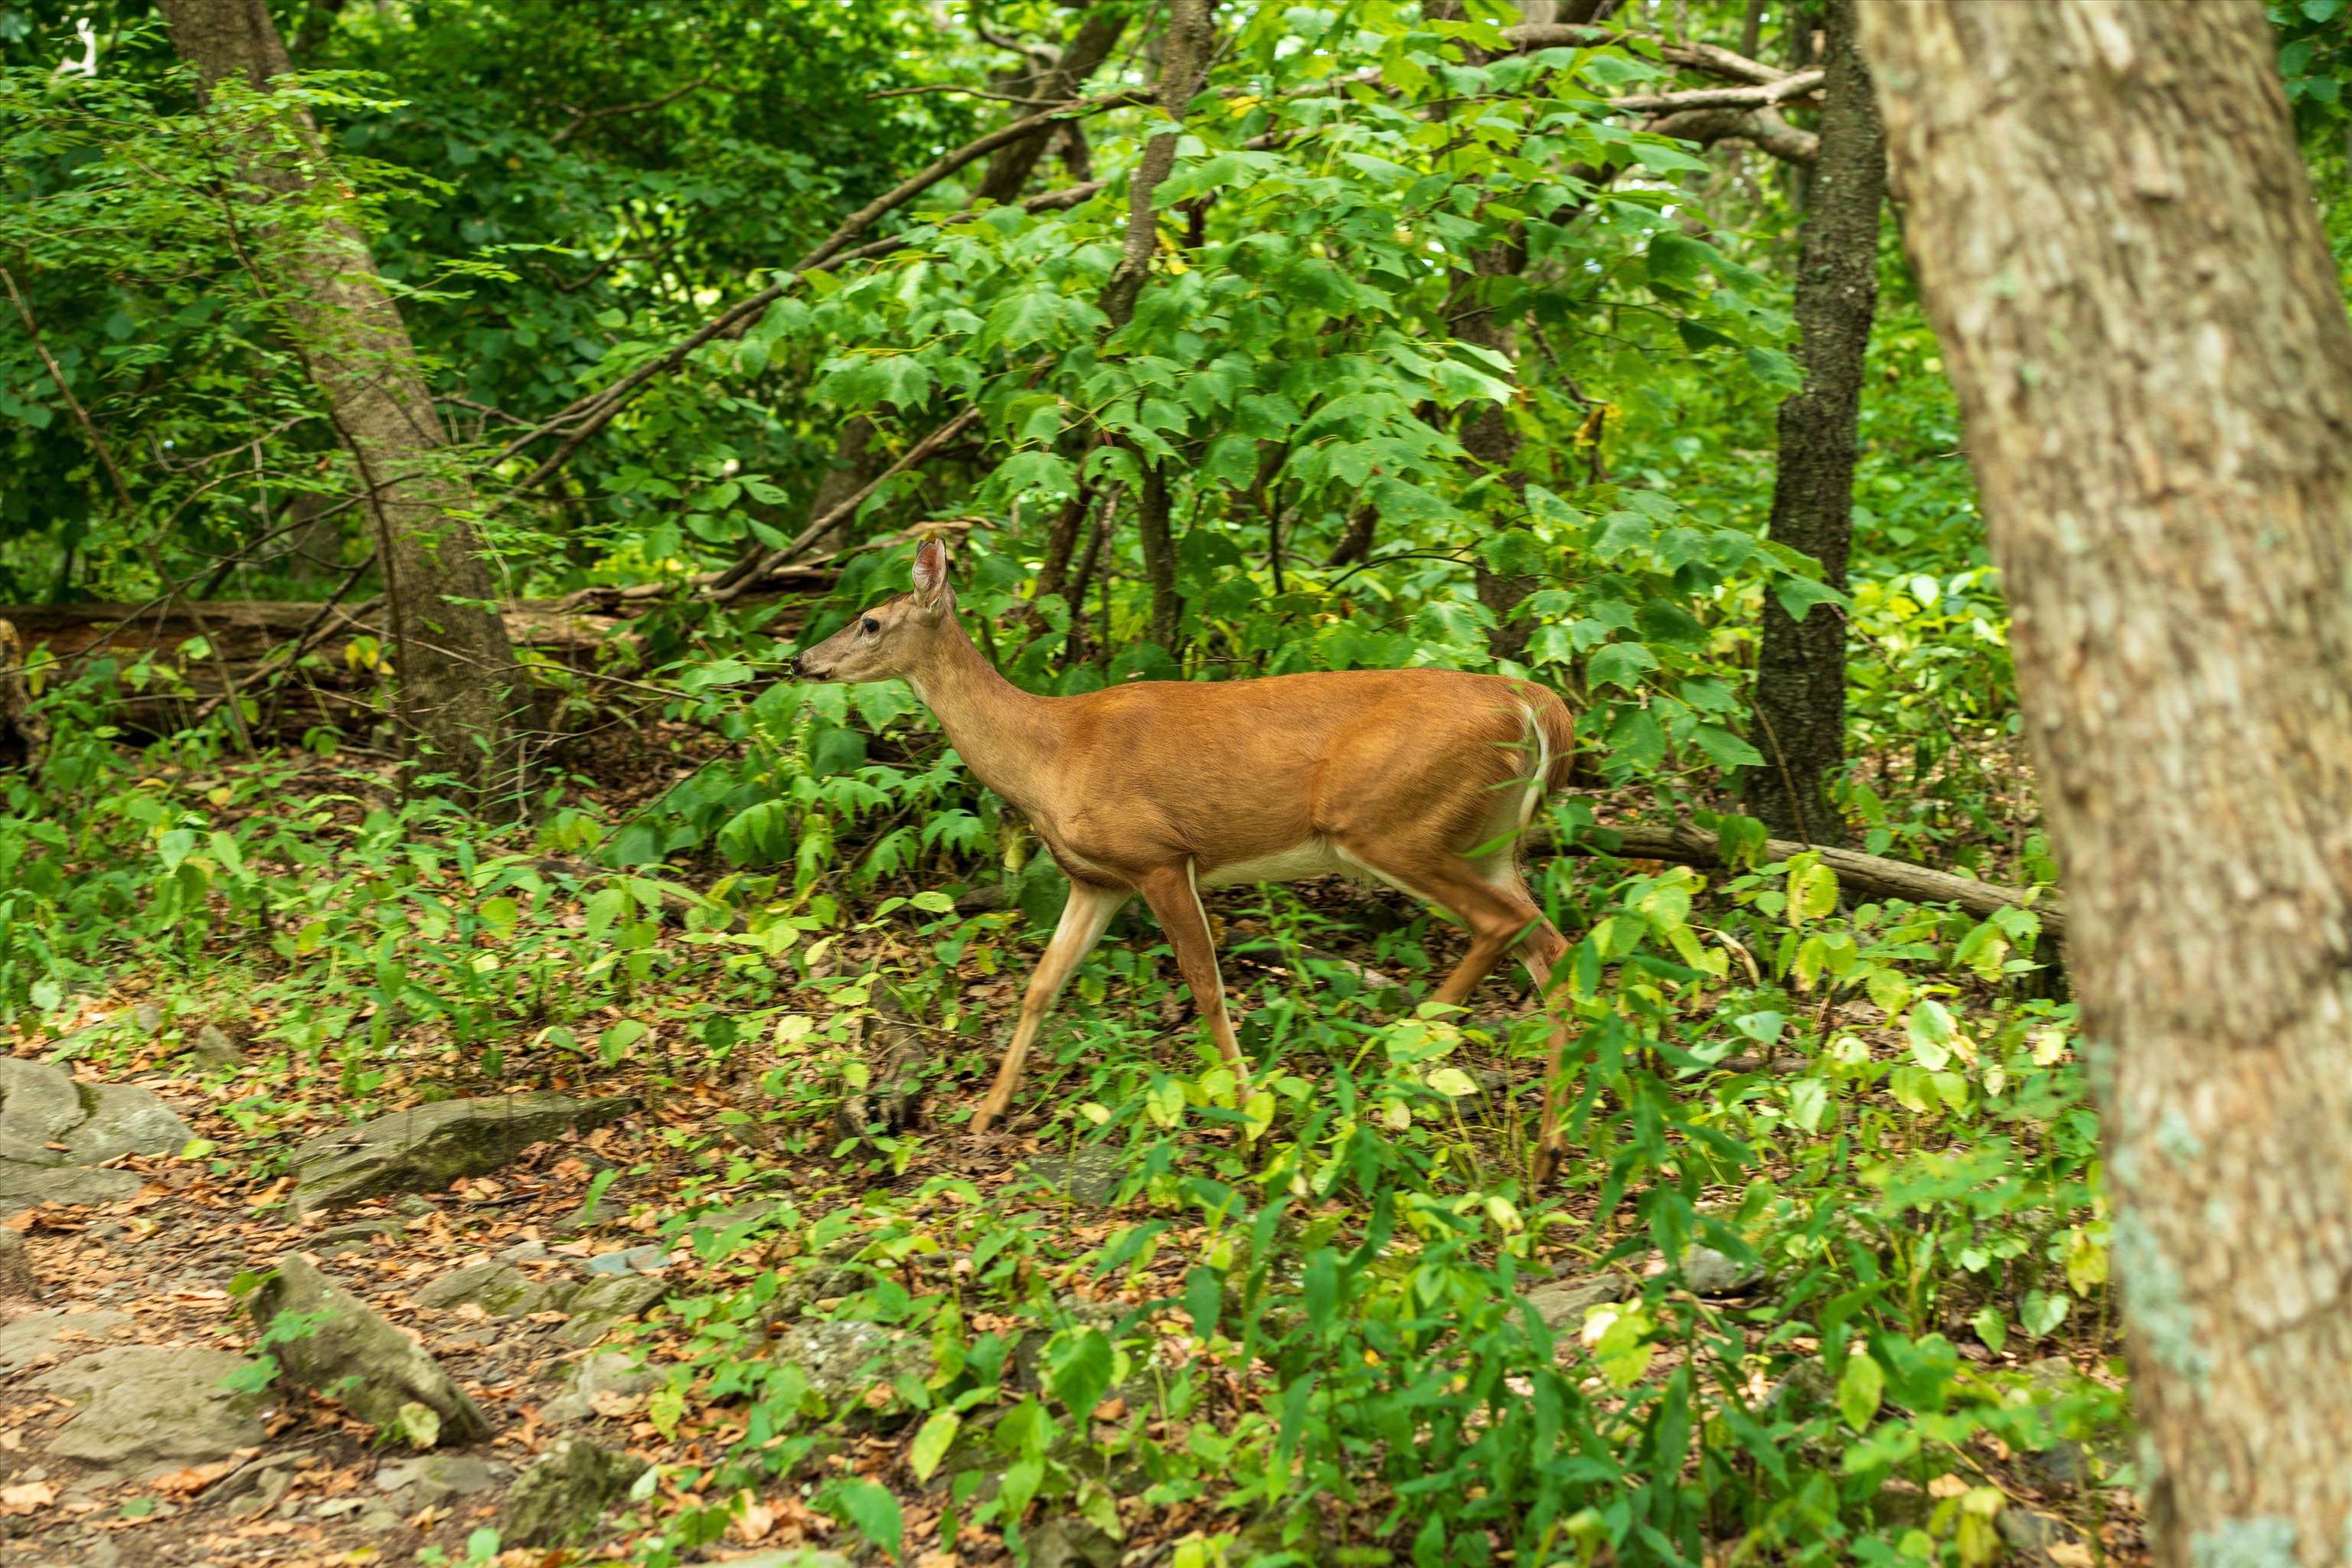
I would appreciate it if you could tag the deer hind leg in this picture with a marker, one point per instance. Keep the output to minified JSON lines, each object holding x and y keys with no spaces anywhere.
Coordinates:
{"x":1489,"y":901}
{"x":1175,"y":897}
{"x":1540,"y":949}
{"x":1494,"y":904}
{"x":1085,"y":917}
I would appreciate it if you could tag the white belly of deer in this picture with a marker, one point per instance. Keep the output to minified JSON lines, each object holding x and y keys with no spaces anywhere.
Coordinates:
{"x":1315,"y":858}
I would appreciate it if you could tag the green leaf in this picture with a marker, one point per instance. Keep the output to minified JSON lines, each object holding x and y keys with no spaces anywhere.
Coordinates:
{"x":1725,"y":749}
{"x":1929,"y":1026}
{"x":1861,"y":1386}
{"x":1798,"y":595}
{"x":420,"y":1425}
{"x":2042,"y":1311}
{"x":1812,"y":893}
{"x":1204,"y":1296}
{"x":933,"y":902}
{"x":874,"y":1511}
{"x":1619,"y":664}
{"x":931,"y":1443}
{"x":1453,"y":1082}
{"x":1991,"y":1327}
{"x":1080,"y":1371}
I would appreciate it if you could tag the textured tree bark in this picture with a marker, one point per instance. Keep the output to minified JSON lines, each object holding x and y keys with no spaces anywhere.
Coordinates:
{"x":459,"y":687}
{"x":1008,"y":173}
{"x":1801,"y":665}
{"x":2116,"y":242}
{"x":1183,"y":57}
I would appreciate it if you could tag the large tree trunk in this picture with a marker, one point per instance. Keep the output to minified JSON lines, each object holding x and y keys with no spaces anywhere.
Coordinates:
{"x":459,"y":687}
{"x":1800,"y":666}
{"x":2115,"y":242}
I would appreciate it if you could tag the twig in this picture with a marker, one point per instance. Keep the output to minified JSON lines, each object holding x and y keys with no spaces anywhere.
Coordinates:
{"x":737,"y":578}
{"x":583,"y":119}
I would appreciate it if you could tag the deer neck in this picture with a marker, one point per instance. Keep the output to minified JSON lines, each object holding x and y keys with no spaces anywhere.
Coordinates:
{"x":1004,"y":735}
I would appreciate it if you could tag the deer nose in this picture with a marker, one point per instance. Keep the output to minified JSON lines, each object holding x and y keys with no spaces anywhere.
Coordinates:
{"x":799,"y":665}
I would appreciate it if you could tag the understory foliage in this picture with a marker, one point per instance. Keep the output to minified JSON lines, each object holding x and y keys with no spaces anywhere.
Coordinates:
{"x":1310,"y":1299}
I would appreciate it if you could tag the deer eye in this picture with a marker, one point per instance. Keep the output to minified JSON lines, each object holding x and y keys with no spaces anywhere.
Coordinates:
{"x":869,"y":626}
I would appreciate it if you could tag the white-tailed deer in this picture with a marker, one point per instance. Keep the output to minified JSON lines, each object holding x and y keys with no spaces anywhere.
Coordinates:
{"x":1423,"y":779}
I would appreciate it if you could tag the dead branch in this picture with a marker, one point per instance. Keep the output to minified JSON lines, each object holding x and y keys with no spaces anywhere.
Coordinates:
{"x":1874,"y":874}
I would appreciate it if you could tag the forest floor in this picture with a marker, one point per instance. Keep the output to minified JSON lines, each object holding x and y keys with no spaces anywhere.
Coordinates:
{"x":702,"y":1190}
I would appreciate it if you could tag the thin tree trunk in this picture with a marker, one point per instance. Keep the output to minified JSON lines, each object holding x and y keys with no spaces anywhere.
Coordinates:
{"x":1152,"y":527}
{"x":1801,"y":665}
{"x":2117,"y":245}
{"x":459,"y":687}
{"x":1008,"y":173}
{"x":1183,"y":59}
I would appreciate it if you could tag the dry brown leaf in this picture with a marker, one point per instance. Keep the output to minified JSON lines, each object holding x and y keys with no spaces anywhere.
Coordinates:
{"x":195,"y":1479}
{"x":754,"y":1519}
{"x":2068,"y":1553}
{"x":27,"y":1496}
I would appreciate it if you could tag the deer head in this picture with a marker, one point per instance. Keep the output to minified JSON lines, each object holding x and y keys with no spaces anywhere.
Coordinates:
{"x":894,"y":638}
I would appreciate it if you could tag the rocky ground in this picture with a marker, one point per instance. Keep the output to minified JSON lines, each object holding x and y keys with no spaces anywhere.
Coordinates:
{"x":459,"y":1341}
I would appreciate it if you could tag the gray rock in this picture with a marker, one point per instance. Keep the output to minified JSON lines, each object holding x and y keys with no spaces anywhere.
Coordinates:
{"x":358,"y":1357}
{"x":605,"y":1372}
{"x":213,"y":1047}
{"x":124,"y":1120}
{"x":38,"y":1105}
{"x":1711,"y":1273}
{"x":501,"y":1290}
{"x":843,"y":1359}
{"x":642,"y":1259}
{"x":431,"y":1482}
{"x":1090,"y":1174}
{"x":424,"y":1149}
{"x":36,"y":1334}
{"x":16,"y":1276}
{"x":744,"y":1213}
{"x":363,"y":1230}
{"x":1563,"y":1303}
{"x":563,"y":1491}
{"x":597,"y":1307}
{"x":2031,"y":1536}
{"x":379,"y":1520}
{"x":525,"y":1252}
{"x":1071,"y":1543}
{"x":153,"y":1405}
{"x":23,"y":1186}
{"x":256,"y":1488}
{"x":41,"y":1105}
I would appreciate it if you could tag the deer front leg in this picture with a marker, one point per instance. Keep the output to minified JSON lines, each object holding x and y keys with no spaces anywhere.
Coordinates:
{"x":1085,"y":917}
{"x":1175,"y":899}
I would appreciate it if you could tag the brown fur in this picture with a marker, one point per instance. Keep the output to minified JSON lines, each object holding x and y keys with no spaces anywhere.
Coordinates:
{"x":1421,"y":777}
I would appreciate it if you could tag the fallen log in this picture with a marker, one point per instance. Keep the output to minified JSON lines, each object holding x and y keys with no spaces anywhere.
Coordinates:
{"x":221,"y":646}
{"x":1874,"y":874}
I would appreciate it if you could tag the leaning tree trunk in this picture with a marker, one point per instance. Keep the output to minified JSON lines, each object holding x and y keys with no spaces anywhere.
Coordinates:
{"x":2115,"y":242}
{"x":1800,"y":666}
{"x":1089,"y":44}
{"x":459,"y":688}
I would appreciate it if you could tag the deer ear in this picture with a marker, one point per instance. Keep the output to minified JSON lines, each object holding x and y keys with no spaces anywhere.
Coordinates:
{"x":930,"y":572}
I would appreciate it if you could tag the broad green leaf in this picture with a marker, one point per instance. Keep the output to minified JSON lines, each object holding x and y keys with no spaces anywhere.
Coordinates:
{"x":930,"y":1445}
{"x":1861,"y":1386}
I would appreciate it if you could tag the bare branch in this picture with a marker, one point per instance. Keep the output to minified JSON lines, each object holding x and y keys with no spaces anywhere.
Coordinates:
{"x":584,"y":118}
